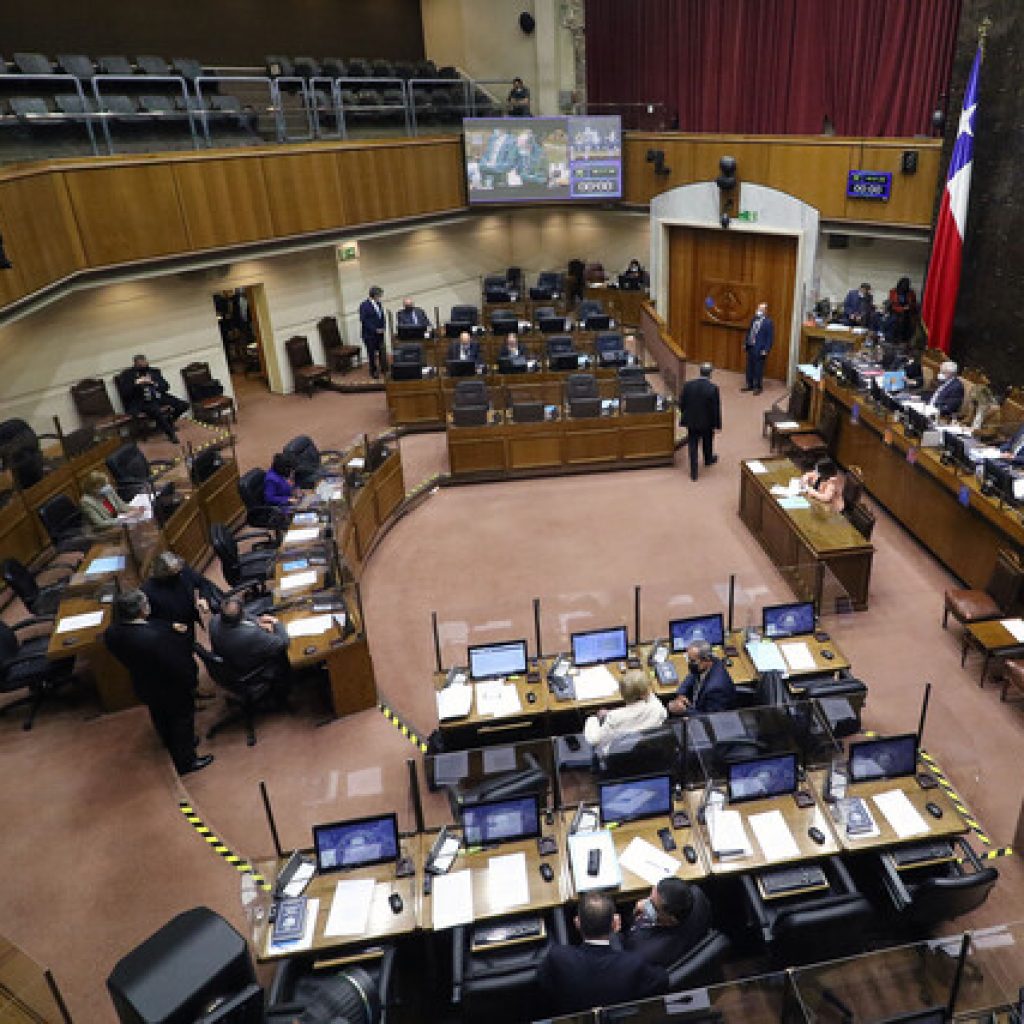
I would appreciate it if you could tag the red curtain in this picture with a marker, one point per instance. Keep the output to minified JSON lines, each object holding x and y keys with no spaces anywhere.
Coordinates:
{"x":767,"y":67}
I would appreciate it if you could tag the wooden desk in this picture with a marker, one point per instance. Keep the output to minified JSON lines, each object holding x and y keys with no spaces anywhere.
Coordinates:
{"x":992,"y":639}
{"x":623,"y":304}
{"x":509,"y":450}
{"x":797,"y":679}
{"x":113,"y":683}
{"x":384,"y":924}
{"x":923,"y":495}
{"x":804,"y":542}
{"x":813,"y":338}
{"x":475,"y":729}
{"x":950,"y":824}
{"x":798,"y":820}
{"x":487,"y":903}
{"x":357,"y":526}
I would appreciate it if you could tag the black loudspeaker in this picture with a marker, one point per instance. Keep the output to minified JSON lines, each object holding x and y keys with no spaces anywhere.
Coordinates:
{"x":908,"y":162}
{"x":192,"y":963}
{"x":526,"y":23}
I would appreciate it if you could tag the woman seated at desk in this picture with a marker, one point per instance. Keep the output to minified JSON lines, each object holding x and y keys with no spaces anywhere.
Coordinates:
{"x":101,"y":505}
{"x":824,"y":484}
{"x":642,"y":710}
{"x":278,"y":485}
{"x":633,"y":276}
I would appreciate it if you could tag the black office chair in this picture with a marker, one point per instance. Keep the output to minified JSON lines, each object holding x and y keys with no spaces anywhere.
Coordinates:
{"x":64,"y":524}
{"x":611,"y":349}
{"x":39,"y":600}
{"x":921,"y":898}
{"x":249,"y":569}
{"x":793,"y":406}
{"x":258,"y":513}
{"x":242,"y":691}
{"x":527,"y":411}
{"x":701,"y":966}
{"x":501,"y":984}
{"x":648,"y":752}
{"x":632,"y":380}
{"x":25,"y":666}
{"x":588,"y":308}
{"x":581,"y":385}
{"x":822,"y":925}
{"x":469,"y":316}
{"x":640,"y":402}
{"x":504,"y":321}
{"x":21,"y":453}
{"x":560,"y":345}
{"x":356,"y":994}
{"x":132,"y":471}
{"x":470,"y":403}
{"x":309,"y":461}
{"x":124,"y":385}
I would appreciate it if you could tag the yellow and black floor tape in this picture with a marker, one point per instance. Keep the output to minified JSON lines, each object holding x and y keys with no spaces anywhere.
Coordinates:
{"x":240,"y":864}
{"x":409,"y":733}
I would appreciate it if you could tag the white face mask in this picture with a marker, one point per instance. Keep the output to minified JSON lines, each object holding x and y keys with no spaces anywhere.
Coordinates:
{"x":942,"y":376}
{"x":648,"y":912}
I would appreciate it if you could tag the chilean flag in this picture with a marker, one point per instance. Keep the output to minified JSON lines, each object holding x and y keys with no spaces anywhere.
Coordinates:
{"x":947,"y":247}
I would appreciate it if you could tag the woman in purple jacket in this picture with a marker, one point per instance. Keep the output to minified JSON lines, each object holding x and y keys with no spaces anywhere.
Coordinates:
{"x":277,"y":485}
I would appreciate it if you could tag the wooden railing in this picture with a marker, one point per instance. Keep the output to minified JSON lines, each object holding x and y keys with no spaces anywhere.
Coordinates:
{"x":667,"y":352}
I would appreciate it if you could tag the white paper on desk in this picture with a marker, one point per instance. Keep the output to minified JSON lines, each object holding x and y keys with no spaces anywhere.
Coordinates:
{"x":793,"y":488}
{"x":766,"y":657}
{"x":497,"y":699}
{"x":773,"y":836}
{"x":298,"y":579}
{"x":728,"y":836}
{"x":314,"y":625}
{"x":356,"y":462}
{"x":507,"y":884}
{"x":350,"y":908}
{"x":609,"y":874}
{"x":595,"y":682}
{"x":304,"y":519}
{"x":798,"y":656}
{"x":787,"y":425}
{"x":76,"y":622}
{"x":452,"y":899}
{"x":499,"y":759}
{"x":793,"y":504}
{"x":1015,"y":627}
{"x":647,"y":861}
{"x":756,"y":466}
{"x":298,"y":536}
{"x":836,"y":327}
{"x":111,"y":563}
{"x":454,"y":701}
{"x":809,"y":370}
{"x":901,"y":813}
{"x":312,"y":908}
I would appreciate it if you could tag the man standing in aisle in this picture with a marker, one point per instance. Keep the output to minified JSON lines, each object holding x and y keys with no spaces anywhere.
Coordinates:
{"x":700,"y":411}
{"x":760,"y":336}
{"x":372,"y":323}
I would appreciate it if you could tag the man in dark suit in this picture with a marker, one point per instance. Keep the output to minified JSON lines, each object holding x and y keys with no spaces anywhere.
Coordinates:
{"x":669,"y":923}
{"x":158,"y":656}
{"x":949,"y":395}
{"x":859,"y":306}
{"x":707,"y":687}
{"x":176,"y":592}
{"x":574,"y":978}
{"x":700,"y":411}
{"x":410,"y":315}
{"x":246,"y":643}
{"x":372,"y":325}
{"x":150,"y":396}
{"x":758,"y":344}
{"x":512,"y":348}
{"x":464,"y":347}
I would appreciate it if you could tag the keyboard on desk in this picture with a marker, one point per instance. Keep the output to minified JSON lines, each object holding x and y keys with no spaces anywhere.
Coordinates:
{"x":781,"y":881}
{"x":921,"y":853}
{"x":518,"y":930}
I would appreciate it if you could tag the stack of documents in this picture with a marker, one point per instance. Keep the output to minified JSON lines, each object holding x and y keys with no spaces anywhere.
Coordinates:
{"x":314,"y":625}
{"x":728,"y":836}
{"x":75,"y":622}
{"x":756,"y":466}
{"x":507,"y":884}
{"x":798,"y":656}
{"x":1015,"y":627}
{"x":497,"y":698}
{"x":648,"y":862}
{"x":793,"y":488}
{"x":350,"y":908}
{"x":766,"y":657}
{"x":773,"y":836}
{"x":901,"y":813}
{"x":454,"y":701}
{"x":452,"y":899}
{"x":595,"y":682}
{"x":302,"y":535}
{"x":297,"y":580}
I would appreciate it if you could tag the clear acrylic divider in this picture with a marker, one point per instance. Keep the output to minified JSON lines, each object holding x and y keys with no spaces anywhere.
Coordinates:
{"x":504,"y":620}
{"x":664,"y":602}
{"x":581,"y":610}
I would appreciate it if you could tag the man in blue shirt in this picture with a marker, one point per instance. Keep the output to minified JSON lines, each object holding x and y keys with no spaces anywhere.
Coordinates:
{"x":707,"y":687}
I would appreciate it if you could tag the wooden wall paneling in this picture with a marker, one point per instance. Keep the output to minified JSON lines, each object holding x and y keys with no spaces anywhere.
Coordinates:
{"x":363,"y":174}
{"x":127,"y":212}
{"x":223,"y":201}
{"x":304,"y":193}
{"x":913,"y":195}
{"x":39,"y":230}
{"x":752,"y":159}
{"x":815,"y":173}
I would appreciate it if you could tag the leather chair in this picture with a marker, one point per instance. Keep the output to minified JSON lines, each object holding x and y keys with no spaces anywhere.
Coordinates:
{"x":1011,"y":673}
{"x":307,"y":374}
{"x":595,"y":273}
{"x":581,"y":385}
{"x":249,"y":569}
{"x":610,"y":348}
{"x":559,"y":344}
{"x":21,"y":453}
{"x":142,"y":424}
{"x":466,"y":315}
{"x":863,"y":519}
{"x":339,"y":356}
{"x":501,"y":983}
{"x":806,"y":448}
{"x":793,"y":407}
{"x":640,"y":402}
{"x":408,"y":362}
{"x":93,"y":405}
{"x":503,"y":322}
{"x":39,"y":600}
{"x":64,"y":524}
{"x":258,"y":513}
{"x":242,"y":691}
{"x":470,"y":403}
{"x":588,"y":308}
{"x":701,"y":966}
{"x":209,"y":403}
{"x":1001,"y":593}
{"x":309,"y":460}
{"x":817,"y":926}
{"x":924,"y":897}
{"x":25,"y":666}
{"x":632,"y":380}
{"x":353,"y":993}
{"x":132,"y":471}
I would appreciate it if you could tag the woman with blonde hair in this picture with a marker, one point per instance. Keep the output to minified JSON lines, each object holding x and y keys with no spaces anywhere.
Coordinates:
{"x":641,"y":710}
{"x":101,"y":504}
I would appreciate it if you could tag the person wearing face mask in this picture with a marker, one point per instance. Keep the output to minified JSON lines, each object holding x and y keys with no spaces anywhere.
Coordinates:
{"x":641,"y":710}
{"x":758,"y":343}
{"x":948,"y":396}
{"x":101,"y":505}
{"x":669,"y":923}
{"x":707,"y":687}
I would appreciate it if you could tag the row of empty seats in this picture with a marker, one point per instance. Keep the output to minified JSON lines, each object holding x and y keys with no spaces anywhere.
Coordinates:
{"x":85,"y":68}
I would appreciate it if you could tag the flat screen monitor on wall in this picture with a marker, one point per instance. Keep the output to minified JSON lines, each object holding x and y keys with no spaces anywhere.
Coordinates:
{"x":543,"y":159}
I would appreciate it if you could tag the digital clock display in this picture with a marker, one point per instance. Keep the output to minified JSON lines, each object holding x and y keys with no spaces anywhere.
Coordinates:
{"x":869,"y":185}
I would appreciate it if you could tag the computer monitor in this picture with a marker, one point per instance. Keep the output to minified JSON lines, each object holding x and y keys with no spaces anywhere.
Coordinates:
{"x":630,"y":799}
{"x":410,"y":332}
{"x":564,"y":361}
{"x":894,"y":381}
{"x":629,"y":284}
{"x":597,"y":322}
{"x":356,"y":843}
{"x":917,"y":422}
{"x":757,"y":778}
{"x":491,"y":661}
{"x":956,"y":448}
{"x":887,"y":757}
{"x":551,"y":324}
{"x":684,"y":632}
{"x":597,"y":646}
{"x":999,"y":478}
{"x":788,"y":619}
{"x":406,"y":371}
{"x":501,"y":821}
{"x":460,"y":367}
{"x":512,"y":364}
